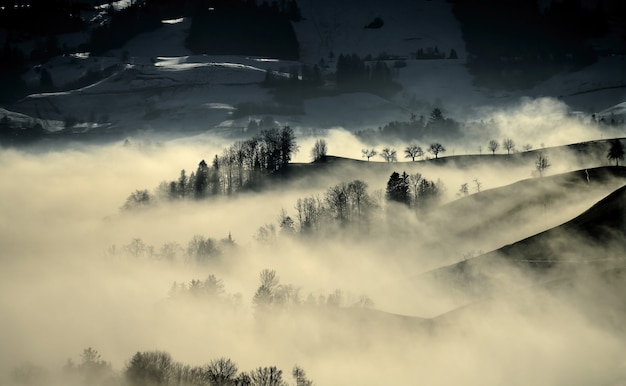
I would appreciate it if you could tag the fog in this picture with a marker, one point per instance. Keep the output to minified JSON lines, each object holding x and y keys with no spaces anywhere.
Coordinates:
{"x":68,"y":281}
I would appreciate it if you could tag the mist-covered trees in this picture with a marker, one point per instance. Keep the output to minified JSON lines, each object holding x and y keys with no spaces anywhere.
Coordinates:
{"x":616,"y":151}
{"x":319,"y":150}
{"x":436,"y":148}
{"x":542,"y":163}
{"x":240,"y":166}
{"x":508,"y":144}
{"x":153,"y":368}
{"x":139,"y":199}
{"x":369,"y":153}
{"x":398,"y":188}
{"x":345,"y":204}
{"x":92,"y":369}
{"x":436,"y":125}
{"x":412,"y":190}
{"x":210,"y":288}
{"x":266,"y":295}
{"x":389,"y":155}
{"x":493,"y":146}
{"x":413,"y":151}
{"x":200,"y":250}
{"x":267,"y":376}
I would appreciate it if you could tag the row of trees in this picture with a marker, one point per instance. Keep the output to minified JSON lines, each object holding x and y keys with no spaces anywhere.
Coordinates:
{"x":437,"y":124}
{"x":240,"y":166}
{"x":271,"y":295}
{"x":199,"y":250}
{"x":343,"y":207}
{"x":412,"y":151}
{"x":154,"y":368}
{"x":350,"y":207}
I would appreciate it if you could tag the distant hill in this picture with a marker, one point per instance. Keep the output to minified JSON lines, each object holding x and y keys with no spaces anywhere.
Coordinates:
{"x":595,"y":238}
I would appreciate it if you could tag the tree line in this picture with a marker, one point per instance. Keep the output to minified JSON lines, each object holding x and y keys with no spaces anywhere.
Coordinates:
{"x":199,"y":250}
{"x":152,"y":368}
{"x":348,"y":208}
{"x":437,"y":124}
{"x":241,"y":166}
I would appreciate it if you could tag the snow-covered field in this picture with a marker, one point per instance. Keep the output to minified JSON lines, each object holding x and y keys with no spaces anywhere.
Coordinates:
{"x":161,"y":86}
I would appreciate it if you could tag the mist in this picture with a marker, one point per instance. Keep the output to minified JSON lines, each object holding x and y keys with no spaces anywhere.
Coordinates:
{"x":70,"y":282}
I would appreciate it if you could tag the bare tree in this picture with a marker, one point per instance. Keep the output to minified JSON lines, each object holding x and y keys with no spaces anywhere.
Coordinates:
{"x":221,"y":372}
{"x":542,"y":163}
{"x":527,"y":147}
{"x":267,"y":376}
{"x":414,"y":182}
{"x":136,"y":247}
{"x":300,"y":377}
{"x":413,"y":151}
{"x":508,"y":144}
{"x":493,"y":146}
{"x":337,"y":199}
{"x":319,"y":150}
{"x":477,"y":185}
{"x":389,"y":155}
{"x":436,"y":148}
{"x":463,"y":190}
{"x":369,"y":153}
{"x":265,"y":293}
{"x":139,"y":199}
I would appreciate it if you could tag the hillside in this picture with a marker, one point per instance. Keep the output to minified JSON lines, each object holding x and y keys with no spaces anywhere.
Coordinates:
{"x":160,"y":87}
{"x":594,"y":239}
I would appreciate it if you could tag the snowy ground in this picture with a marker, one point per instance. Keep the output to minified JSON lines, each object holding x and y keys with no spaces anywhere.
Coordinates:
{"x":163,"y":87}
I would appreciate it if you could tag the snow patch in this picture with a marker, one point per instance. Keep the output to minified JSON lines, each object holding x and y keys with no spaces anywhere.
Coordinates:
{"x":173,"y":21}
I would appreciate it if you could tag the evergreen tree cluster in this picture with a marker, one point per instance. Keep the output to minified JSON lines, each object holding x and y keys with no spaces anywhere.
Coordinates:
{"x":436,"y":125}
{"x":413,"y":190}
{"x":240,"y":166}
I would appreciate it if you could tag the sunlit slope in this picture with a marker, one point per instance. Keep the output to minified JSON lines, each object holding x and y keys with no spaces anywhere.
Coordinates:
{"x":492,"y":170}
{"x":594,"y":239}
{"x":504,"y":215}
